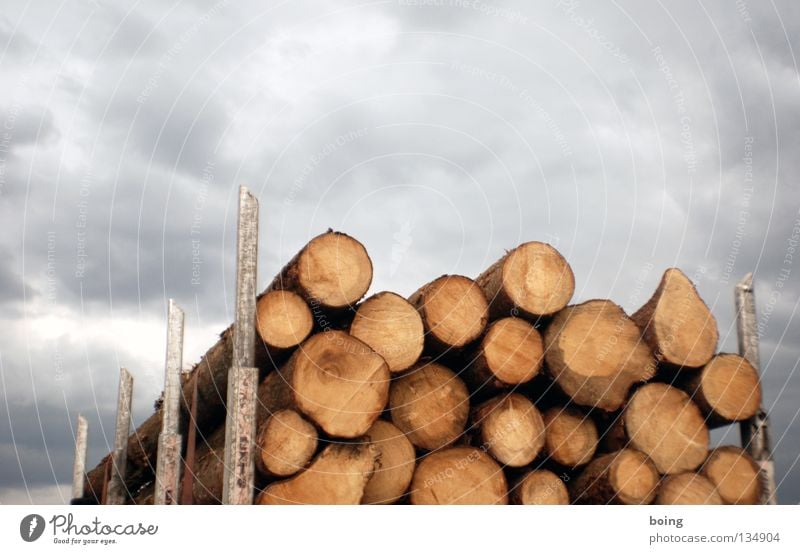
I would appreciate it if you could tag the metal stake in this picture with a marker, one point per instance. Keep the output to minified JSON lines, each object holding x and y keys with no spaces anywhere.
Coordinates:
{"x":116,"y":493}
{"x":754,"y":431}
{"x":240,"y":423}
{"x":79,"y":465}
{"x":169,"y":441}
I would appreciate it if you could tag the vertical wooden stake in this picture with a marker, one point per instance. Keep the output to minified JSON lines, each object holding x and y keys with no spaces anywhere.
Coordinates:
{"x":119,"y":457}
{"x":754,"y":431}
{"x":168,"y":458}
{"x":240,"y":423}
{"x":79,"y":465}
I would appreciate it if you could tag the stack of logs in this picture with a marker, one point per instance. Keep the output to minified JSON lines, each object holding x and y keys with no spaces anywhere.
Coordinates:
{"x":471,"y":391}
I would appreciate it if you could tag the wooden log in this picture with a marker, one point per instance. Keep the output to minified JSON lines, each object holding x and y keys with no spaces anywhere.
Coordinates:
{"x":454,"y":312}
{"x":209,"y":468}
{"x":623,"y":477}
{"x":285,"y":444}
{"x":336,"y":381}
{"x":570,"y":436}
{"x":510,"y":353}
{"x":430,"y":404}
{"x":687,"y":488}
{"x":338,"y":475}
{"x":510,"y":428}
{"x":392,"y":327}
{"x":394,"y":466}
{"x":461,"y":475}
{"x":332,"y":272}
{"x":349,"y":273}
{"x":727,"y":389}
{"x":664,"y":423}
{"x":533,"y":280}
{"x":283,"y":320}
{"x":540,"y":486}
{"x":677,"y":324}
{"x":735,"y":475}
{"x":594,"y":352}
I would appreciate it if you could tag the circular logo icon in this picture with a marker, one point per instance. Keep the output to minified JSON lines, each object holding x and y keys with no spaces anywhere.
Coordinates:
{"x":31,"y":527}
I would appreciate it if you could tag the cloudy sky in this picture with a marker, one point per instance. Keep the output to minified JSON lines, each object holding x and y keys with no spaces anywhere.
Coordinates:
{"x":632,"y":135}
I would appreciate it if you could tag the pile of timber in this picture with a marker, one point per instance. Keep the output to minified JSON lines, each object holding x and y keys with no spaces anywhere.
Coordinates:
{"x":470,"y":391}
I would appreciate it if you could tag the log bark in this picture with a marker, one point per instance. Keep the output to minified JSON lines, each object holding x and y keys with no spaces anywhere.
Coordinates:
{"x":454,"y":312}
{"x":460,"y":475}
{"x":332,"y":272}
{"x":727,"y":389}
{"x":570,"y":437}
{"x":735,"y":475}
{"x":283,"y":320}
{"x":285,"y":444}
{"x":392,"y":327}
{"x":209,"y":468}
{"x":623,"y":477}
{"x":336,"y":381}
{"x":677,"y":324}
{"x":338,"y":475}
{"x":533,"y":280}
{"x":510,"y":353}
{"x":510,"y":428}
{"x":664,"y":423}
{"x":430,"y":404}
{"x":594,"y":353}
{"x":394,"y":467}
{"x":540,"y":487}
{"x":687,"y":488}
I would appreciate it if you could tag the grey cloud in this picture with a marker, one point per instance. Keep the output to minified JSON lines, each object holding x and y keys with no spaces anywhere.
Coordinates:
{"x":476,"y":133}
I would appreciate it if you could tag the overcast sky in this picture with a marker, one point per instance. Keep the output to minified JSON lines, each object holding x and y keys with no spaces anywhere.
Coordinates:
{"x":633,"y":135}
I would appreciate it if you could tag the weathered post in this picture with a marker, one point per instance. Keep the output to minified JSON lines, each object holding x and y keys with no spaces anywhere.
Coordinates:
{"x":119,"y":457}
{"x":168,"y":458}
{"x":754,"y":431}
{"x":79,"y":464}
{"x":240,"y":422}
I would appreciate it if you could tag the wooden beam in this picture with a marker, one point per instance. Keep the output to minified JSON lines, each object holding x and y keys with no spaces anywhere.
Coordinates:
{"x":240,"y":423}
{"x":117,"y":491}
{"x":79,"y":464}
{"x":754,"y":431}
{"x":168,"y":458}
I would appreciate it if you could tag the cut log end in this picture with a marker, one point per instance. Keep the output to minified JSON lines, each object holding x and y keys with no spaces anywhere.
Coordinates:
{"x":511,"y":429}
{"x":595,"y":354}
{"x":512,"y":352}
{"x":394,"y":466}
{"x":687,"y":488}
{"x":623,"y":477}
{"x":571,"y":437}
{"x":533,"y":280}
{"x":460,"y":475}
{"x":337,"y":476}
{"x":392,"y":327}
{"x":454,"y":311}
{"x":283,"y":320}
{"x":727,"y":388}
{"x":665,"y":424}
{"x":333,"y":270}
{"x":734,"y":474}
{"x":677,"y":324}
{"x":285,"y":443}
{"x":430,"y":404}
{"x":339,"y":383}
{"x":540,"y":487}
